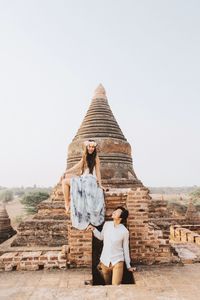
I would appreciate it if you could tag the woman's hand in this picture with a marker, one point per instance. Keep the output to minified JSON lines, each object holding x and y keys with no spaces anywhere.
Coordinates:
{"x":90,"y":227}
{"x":103,"y":188}
{"x":132,"y":269}
{"x":67,"y":206}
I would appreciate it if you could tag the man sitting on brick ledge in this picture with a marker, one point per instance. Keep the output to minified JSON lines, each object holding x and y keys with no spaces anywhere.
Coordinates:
{"x":115,"y":251}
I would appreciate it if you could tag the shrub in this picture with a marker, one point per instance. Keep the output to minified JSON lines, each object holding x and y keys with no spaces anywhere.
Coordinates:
{"x":6,"y":195}
{"x":31,"y":200}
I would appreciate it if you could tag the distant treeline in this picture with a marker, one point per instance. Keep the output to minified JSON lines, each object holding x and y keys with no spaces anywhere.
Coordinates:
{"x":173,"y":190}
{"x":20,"y":191}
{"x":8,"y":194}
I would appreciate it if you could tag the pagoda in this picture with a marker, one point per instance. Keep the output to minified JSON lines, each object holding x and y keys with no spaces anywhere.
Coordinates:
{"x":48,"y":226}
{"x":6,"y":230}
{"x":114,"y":150}
{"x":51,"y":227}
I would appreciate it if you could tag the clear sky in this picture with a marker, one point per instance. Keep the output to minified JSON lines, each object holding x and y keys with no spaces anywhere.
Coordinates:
{"x":53,"y":54}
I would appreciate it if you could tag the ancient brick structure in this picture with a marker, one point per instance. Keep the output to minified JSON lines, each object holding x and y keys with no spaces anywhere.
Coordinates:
{"x":33,"y":260}
{"x":6,"y":230}
{"x":149,"y":220}
{"x":192,"y":213}
{"x":115,"y":152}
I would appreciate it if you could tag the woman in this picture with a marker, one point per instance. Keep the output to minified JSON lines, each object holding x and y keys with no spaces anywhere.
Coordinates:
{"x":85,"y":189}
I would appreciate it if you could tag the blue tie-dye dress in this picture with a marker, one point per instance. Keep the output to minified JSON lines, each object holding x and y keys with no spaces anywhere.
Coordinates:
{"x":87,"y":201}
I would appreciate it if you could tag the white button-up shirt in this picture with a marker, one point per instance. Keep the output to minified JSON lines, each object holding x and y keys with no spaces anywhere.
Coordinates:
{"x":115,"y":243}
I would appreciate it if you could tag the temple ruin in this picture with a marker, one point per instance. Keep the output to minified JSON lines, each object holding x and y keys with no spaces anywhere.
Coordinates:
{"x":47,"y":239}
{"x":6,"y":230}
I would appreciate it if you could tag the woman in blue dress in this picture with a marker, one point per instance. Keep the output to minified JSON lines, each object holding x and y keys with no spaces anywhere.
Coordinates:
{"x":85,"y":189}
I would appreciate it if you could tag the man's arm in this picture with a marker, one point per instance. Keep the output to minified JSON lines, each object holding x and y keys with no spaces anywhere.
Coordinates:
{"x":98,"y":234}
{"x":126,"y":249}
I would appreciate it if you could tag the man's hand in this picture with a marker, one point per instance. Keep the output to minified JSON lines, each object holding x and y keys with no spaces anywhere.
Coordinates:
{"x":132,"y":269}
{"x":90,"y":227}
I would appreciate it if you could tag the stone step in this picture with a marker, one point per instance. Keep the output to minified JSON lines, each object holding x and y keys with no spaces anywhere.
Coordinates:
{"x":44,"y":232}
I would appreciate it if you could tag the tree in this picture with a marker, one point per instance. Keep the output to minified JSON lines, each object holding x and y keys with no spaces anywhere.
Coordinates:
{"x":196,"y":194}
{"x":6,"y":195}
{"x":195,"y":197}
{"x":31,"y":200}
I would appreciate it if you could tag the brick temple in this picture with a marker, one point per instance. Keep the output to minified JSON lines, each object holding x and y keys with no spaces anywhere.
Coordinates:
{"x":51,"y":239}
{"x":6,"y":230}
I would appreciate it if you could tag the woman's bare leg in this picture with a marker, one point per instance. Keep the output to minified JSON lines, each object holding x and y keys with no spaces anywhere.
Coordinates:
{"x":66,"y":191}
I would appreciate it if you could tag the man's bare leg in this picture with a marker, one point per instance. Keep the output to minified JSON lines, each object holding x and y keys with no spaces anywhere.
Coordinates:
{"x":66,"y":190}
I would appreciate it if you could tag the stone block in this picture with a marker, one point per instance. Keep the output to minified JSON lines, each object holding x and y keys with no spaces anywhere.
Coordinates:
{"x":9,"y":257}
{"x":183,"y":235}
{"x":8,"y":267}
{"x":191,"y":237}
{"x":52,"y":255}
{"x":197,"y":239}
{"x":31,"y":255}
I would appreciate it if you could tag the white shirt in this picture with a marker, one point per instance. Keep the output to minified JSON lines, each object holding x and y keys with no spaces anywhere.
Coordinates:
{"x":115,"y":243}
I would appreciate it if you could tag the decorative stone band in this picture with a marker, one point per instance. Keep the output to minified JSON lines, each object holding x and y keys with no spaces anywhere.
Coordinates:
{"x":112,"y":158}
{"x":113,"y":166}
{"x":99,"y":122}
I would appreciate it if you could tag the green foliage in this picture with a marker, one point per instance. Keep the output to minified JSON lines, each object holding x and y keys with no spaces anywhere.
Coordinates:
{"x":196,"y":194}
{"x":32,"y":199}
{"x":20,"y":191}
{"x":6,"y":195}
{"x":173,"y":190}
{"x":196,"y":197}
{"x":18,"y":219}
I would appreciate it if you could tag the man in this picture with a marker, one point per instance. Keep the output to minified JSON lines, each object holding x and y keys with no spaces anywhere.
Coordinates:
{"x":115,"y":238}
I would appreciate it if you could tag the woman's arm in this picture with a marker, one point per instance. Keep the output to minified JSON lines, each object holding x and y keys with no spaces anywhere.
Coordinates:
{"x":77,"y":168}
{"x":98,"y":172}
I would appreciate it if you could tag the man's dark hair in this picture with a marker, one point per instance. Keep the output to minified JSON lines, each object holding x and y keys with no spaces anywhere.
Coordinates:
{"x":124,"y":214}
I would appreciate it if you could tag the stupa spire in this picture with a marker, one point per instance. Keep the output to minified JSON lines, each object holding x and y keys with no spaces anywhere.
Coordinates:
{"x":100,"y":124}
{"x":100,"y":92}
{"x":6,"y":230}
{"x":99,"y":121}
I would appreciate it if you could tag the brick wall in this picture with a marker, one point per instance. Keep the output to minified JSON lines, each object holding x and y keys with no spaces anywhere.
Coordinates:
{"x":35,"y":232}
{"x":149,"y":243}
{"x":33,"y":260}
{"x":80,"y":247}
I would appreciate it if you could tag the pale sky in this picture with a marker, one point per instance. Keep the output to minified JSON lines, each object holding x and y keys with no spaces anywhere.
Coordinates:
{"x":53,"y":54}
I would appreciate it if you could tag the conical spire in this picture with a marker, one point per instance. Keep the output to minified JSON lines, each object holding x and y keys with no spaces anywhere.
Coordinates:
{"x":99,"y":121}
{"x":6,"y":229}
{"x":100,"y":92}
{"x":191,"y":212}
{"x":3,"y":212}
{"x":114,"y":150}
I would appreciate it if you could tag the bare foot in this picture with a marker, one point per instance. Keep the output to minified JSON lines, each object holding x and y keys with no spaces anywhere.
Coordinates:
{"x":67,"y":208}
